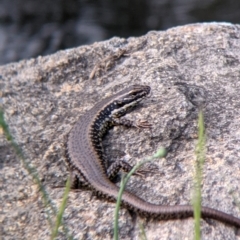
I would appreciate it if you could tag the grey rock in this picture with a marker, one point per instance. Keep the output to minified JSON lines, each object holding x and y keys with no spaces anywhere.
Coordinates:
{"x":189,"y":68}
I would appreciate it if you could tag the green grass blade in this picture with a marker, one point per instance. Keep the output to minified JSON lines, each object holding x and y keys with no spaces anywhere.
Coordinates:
{"x":200,"y":154}
{"x":160,"y":154}
{"x":143,"y":235}
{"x":32,"y":172}
{"x":61,"y":210}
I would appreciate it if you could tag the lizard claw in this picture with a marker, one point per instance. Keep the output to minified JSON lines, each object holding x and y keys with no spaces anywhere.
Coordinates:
{"x":142,"y":172}
{"x":143,"y":124}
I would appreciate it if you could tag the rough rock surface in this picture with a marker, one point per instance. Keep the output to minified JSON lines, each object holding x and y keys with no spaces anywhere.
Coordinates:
{"x":187,"y":68}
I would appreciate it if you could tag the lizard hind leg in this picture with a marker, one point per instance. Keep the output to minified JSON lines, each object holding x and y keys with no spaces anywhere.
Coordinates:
{"x":118,"y":165}
{"x":77,"y":181}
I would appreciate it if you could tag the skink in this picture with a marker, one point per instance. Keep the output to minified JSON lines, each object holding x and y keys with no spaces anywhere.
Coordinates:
{"x":87,"y":161}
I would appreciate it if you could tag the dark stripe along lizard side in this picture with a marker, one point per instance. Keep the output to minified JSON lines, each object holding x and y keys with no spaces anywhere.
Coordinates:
{"x":87,"y":161}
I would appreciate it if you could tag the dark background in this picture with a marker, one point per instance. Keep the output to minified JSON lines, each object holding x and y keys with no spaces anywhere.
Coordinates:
{"x":29,"y":28}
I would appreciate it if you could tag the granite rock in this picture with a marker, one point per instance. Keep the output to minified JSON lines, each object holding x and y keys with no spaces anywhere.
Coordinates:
{"x":189,"y":68}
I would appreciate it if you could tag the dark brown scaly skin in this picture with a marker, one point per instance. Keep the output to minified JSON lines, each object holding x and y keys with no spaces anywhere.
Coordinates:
{"x":87,"y":161}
